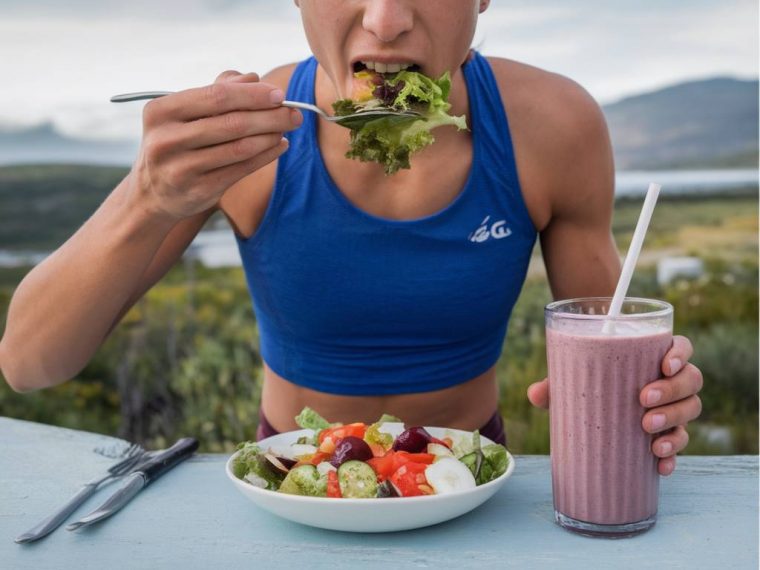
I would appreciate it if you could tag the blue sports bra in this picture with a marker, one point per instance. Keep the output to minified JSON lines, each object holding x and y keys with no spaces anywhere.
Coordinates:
{"x":350,"y":303}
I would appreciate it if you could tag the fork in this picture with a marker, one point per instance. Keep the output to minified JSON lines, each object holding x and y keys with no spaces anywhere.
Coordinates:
{"x":116,"y":450}
{"x":133,"y":455}
{"x":353,"y":121}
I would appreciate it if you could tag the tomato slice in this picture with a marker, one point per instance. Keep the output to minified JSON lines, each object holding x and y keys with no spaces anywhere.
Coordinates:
{"x":333,"y":486}
{"x":319,"y":457}
{"x":410,"y":480}
{"x":426,"y":458}
{"x":339,"y":432}
{"x":403,"y":458}
{"x":384,"y":465}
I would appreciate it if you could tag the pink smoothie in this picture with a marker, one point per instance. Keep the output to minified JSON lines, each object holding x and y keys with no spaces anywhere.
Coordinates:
{"x":603,"y":469}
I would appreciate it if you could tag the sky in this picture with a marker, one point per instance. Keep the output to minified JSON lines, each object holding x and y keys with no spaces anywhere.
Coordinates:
{"x":61,"y":61}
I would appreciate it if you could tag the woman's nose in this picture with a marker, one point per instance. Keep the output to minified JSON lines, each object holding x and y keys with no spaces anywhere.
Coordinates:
{"x":388,"y":19}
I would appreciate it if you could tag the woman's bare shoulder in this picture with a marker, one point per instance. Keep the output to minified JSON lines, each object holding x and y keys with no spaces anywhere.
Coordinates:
{"x":280,"y":76}
{"x":551,"y":103}
{"x":560,"y":137}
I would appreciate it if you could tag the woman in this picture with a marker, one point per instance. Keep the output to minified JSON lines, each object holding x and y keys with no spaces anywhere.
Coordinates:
{"x":373,"y":293}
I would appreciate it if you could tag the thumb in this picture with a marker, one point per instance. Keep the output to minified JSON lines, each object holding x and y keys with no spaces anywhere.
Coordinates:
{"x":538,"y":394}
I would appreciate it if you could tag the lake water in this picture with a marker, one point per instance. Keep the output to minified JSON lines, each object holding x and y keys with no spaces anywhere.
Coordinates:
{"x":218,"y":248}
{"x":20,"y":258}
{"x":633,"y":183}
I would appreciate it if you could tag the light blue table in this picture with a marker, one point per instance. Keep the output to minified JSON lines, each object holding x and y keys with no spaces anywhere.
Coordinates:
{"x":194,"y":518}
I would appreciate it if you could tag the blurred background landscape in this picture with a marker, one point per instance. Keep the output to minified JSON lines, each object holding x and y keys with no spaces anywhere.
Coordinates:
{"x":682,"y":111}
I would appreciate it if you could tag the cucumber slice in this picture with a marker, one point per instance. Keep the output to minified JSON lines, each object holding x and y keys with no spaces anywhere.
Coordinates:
{"x":304,"y":480}
{"x":474,"y":462}
{"x":449,"y":475}
{"x":357,"y":480}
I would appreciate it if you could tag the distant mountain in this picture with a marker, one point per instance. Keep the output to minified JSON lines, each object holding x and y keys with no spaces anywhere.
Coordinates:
{"x":43,"y":143}
{"x":708,"y":123}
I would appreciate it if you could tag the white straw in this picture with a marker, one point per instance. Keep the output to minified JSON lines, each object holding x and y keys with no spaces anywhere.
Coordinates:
{"x":632,"y":256}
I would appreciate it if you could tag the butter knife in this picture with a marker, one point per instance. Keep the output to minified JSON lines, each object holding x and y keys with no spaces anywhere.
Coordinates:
{"x":138,"y":480}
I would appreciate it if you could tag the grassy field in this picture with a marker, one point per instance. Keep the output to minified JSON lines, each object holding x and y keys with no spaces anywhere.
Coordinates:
{"x":41,"y":206}
{"x":184,"y":361}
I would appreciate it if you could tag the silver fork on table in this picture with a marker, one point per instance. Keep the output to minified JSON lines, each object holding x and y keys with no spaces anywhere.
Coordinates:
{"x":354,"y":120}
{"x":132,"y":456}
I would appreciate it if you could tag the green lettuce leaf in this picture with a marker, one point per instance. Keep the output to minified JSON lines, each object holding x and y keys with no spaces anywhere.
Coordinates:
{"x":374,"y":435}
{"x":495,"y":455}
{"x":391,"y":141}
{"x":305,"y":480}
{"x":389,"y":419}
{"x":487,"y":463}
{"x":344,"y":107}
{"x":251,"y":460}
{"x":462,"y":445}
{"x":418,"y":88}
{"x":309,"y":419}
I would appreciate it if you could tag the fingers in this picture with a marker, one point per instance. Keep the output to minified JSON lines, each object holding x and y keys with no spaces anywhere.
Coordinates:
{"x":665,"y":467}
{"x":237,"y":125}
{"x":666,"y":417}
{"x":227,"y":176}
{"x":238,"y":150}
{"x":184,"y":171}
{"x":685,"y":383}
{"x":538,"y":394}
{"x":215,"y":99}
{"x":677,"y":356}
{"x":671,"y":442}
{"x":674,"y":403}
{"x":198,"y":142}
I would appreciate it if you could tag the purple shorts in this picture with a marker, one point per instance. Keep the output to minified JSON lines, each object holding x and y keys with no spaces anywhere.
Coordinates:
{"x":493,"y":428}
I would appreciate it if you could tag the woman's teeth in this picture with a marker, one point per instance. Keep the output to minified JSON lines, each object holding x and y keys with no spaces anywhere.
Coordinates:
{"x":386,"y":67}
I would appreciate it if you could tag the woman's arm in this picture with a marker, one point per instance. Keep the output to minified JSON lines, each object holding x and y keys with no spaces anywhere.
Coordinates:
{"x":65,"y":307}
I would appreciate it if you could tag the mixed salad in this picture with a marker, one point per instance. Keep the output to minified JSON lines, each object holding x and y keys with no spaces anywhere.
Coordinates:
{"x":382,"y":460}
{"x":390,"y":141}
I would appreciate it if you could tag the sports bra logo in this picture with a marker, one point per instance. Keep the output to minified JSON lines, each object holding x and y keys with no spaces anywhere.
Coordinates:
{"x":497,"y":230}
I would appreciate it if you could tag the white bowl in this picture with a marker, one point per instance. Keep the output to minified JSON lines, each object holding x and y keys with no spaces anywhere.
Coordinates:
{"x":368,"y":515}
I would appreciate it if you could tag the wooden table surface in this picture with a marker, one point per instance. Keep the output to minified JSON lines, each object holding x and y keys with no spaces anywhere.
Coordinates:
{"x":194,"y":518}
